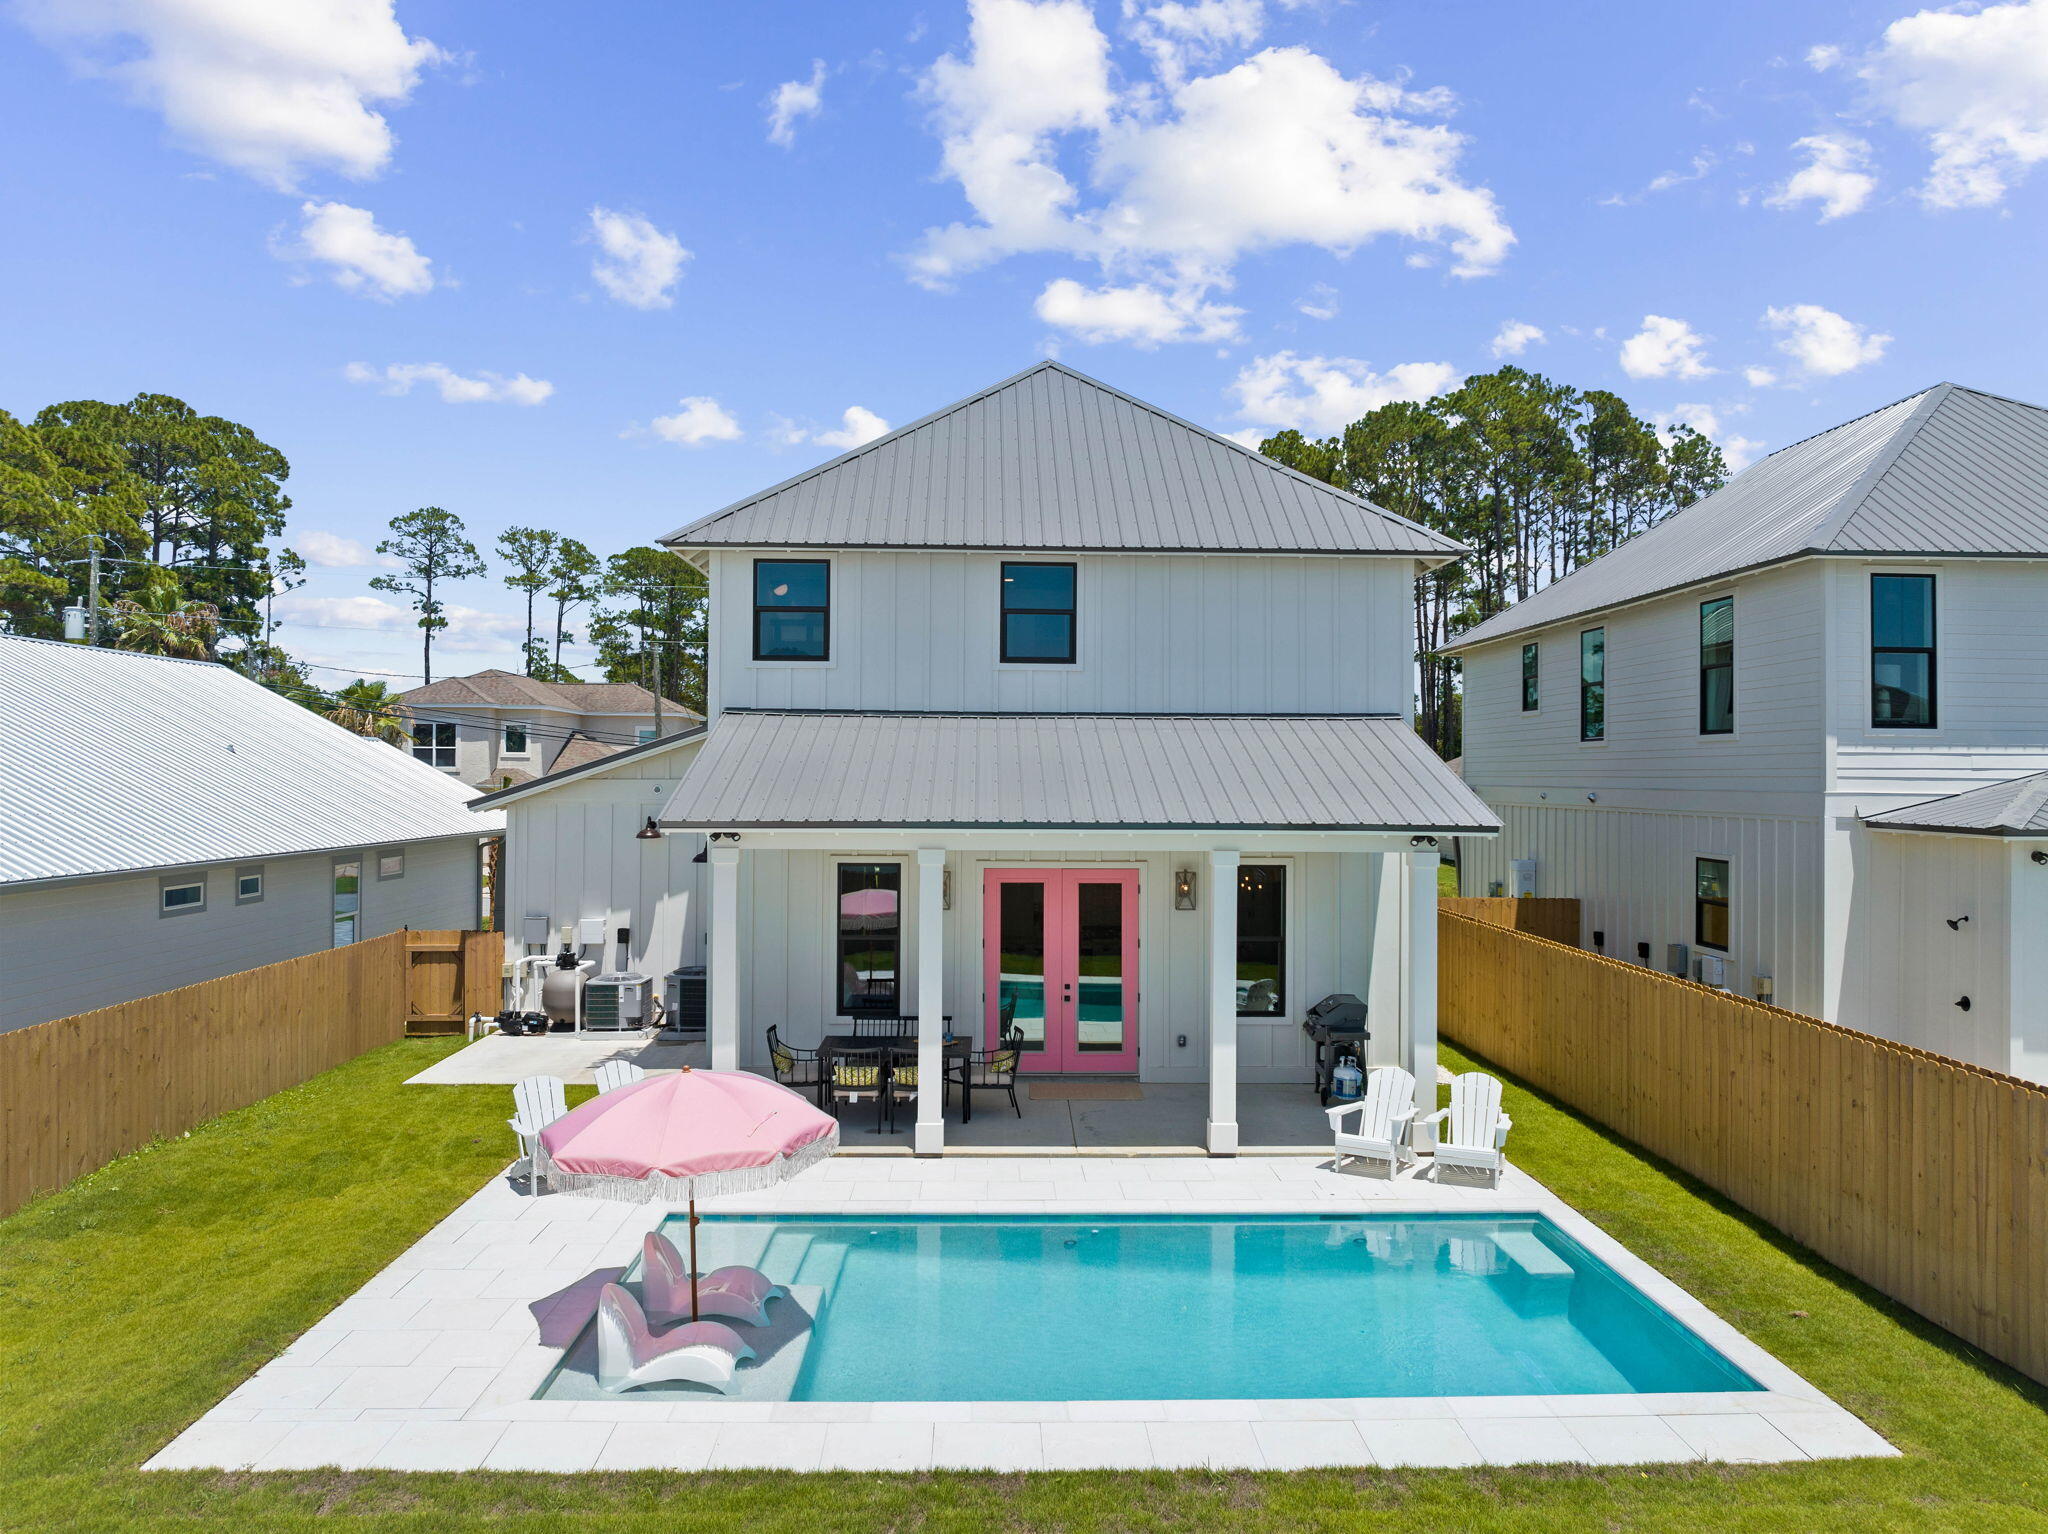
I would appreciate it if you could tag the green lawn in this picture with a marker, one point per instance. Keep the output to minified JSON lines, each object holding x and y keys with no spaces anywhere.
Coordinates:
{"x":133,"y":1301}
{"x":1447,"y":880}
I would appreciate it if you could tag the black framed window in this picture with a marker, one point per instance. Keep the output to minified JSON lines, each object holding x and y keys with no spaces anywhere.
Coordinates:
{"x":1902,"y":652}
{"x":1038,"y":614}
{"x":792,"y":609}
{"x":515,"y":740}
{"x":1717,"y":666}
{"x":1262,"y":940}
{"x":1593,"y":684}
{"x":870,"y":922}
{"x":1529,"y":694}
{"x":433,"y":742}
{"x":1710,"y":903}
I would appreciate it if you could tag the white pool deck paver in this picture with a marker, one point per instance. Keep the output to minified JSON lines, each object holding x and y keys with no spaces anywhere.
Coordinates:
{"x":433,"y":1364}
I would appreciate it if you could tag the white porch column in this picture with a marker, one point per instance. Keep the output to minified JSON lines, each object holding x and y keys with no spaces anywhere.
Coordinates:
{"x":1419,"y":987}
{"x":1223,"y":1003}
{"x":929,"y":1138}
{"x":723,"y":1025}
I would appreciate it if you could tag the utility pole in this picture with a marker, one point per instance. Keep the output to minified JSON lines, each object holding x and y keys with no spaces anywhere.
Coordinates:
{"x":654,"y":646}
{"x":92,"y":598}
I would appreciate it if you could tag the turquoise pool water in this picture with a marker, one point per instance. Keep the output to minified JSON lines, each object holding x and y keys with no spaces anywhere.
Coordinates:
{"x":969,"y":1308}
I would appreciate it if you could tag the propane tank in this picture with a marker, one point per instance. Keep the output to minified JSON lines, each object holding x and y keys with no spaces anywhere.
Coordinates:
{"x":1347,"y":1081}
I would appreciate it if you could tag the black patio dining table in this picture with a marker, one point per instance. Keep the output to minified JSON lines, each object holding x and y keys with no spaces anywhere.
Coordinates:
{"x":898,"y":1045}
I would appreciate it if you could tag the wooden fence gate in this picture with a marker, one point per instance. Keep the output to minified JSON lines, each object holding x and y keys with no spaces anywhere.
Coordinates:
{"x":450,"y":975}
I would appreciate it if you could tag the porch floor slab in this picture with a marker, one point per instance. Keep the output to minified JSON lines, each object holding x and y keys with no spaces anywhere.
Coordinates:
{"x":434,"y":1363}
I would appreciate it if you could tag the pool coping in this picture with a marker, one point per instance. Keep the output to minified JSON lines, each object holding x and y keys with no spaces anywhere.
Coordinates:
{"x":432,"y":1365}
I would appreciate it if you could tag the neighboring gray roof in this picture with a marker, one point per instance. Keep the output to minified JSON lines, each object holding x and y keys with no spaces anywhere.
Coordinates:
{"x":1124,"y":771}
{"x":117,"y":762}
{"x":1055,"y":461}
{"x":508,"y":689}
{"x":2015,"y":808}
{"x":581,"y":765}
{"x":1950,"y":471}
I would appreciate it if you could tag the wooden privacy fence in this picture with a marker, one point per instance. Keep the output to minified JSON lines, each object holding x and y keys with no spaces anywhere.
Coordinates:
{"x":451,"y":974}
{"x":79,"y":1091}
{"x":1924,"y":1177}
{"x":1555,"y":919}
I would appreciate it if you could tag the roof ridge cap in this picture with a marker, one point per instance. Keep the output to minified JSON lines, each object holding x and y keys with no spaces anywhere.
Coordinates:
{"x":1853,"y":498}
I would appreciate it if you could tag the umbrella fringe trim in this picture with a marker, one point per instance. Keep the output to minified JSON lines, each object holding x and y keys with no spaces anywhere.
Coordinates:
{"x":657,"y":1188}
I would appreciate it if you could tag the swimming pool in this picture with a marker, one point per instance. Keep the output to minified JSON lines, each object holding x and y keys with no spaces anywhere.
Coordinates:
{"x":992,"y":1308}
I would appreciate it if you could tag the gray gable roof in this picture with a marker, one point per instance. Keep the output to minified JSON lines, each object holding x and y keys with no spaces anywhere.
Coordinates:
{"x":118,"y":762}
{"x":1054,"y":460}
{"x":2018,"y":807}
{"x":1949,"y":471}
{"x":1060,"y":771}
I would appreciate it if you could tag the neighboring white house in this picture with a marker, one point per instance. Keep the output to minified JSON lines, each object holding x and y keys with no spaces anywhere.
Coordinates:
{"x":164,"y":822}
{"x":1701,"y":734}
{"x":498,"y":728}
{"x":1048,"y":699}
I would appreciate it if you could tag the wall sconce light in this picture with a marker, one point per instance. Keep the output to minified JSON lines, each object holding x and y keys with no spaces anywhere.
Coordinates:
{"x":2039,"y":857}
{"x":649,"y":832}
{"x":1184,"y":889}
{"x":1955,"y":923}
{"x":1592,"y":798}
{"x":1963,"y":1002}
{"x":1422,"y":843}
{"x":1766,"y":988}
{"x":946,"y":888}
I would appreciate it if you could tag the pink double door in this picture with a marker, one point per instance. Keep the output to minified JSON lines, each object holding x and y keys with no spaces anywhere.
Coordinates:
{"x":1060,"y":947}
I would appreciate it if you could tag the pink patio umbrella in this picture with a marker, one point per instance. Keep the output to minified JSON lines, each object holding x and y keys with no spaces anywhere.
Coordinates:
{"x":677,"y":1137}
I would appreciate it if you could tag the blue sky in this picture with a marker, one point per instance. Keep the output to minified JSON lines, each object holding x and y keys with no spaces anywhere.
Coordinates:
{"x":569,"y":266}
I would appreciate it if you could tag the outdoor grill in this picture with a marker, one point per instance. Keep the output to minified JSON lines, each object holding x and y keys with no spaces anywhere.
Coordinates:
{"x":1337,"y":1025}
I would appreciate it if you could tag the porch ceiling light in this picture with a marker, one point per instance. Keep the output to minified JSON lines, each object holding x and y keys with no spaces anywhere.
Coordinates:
{"x":1184,"y":889}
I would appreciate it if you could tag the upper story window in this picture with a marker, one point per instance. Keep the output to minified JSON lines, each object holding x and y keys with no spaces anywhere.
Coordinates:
{"x":1902,"y":652}
{"x":1710,"y":903}
{"x":792,"y":609}
{"x":515,"y":740}
{"x":1529,"y":695}
{"x":643,"y":733}
{"x":1593,"y":684}
{"x":1717,"y":666}
{"x":249,"y":884}
{"x":179,"y":894}
{"x":1038,"y":614}
{"x":433,"y":742}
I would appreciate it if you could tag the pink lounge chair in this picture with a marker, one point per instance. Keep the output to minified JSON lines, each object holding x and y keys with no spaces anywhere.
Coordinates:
{"x":630,"y":1355}
{"x":738,"y":1293}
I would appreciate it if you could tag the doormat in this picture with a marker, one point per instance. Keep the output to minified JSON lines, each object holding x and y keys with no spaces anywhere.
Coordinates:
{"x":1086,"y":1092}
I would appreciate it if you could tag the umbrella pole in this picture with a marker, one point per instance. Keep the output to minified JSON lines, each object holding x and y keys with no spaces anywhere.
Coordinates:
{"x":693,"y":1257}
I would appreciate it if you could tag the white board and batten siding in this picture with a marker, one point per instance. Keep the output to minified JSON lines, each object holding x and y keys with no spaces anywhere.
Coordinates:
{"x":789,"y":970}
{"x":73,"y":946}
{"x":571,"y":854}
{"x":1198,"y":634}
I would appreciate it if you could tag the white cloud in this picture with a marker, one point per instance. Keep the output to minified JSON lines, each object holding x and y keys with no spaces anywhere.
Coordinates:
{"x":1188,"y":174}
{"x":331,"y":551}
{"x":1516,"y":337}
{"x":1738,"y":451}
{"x":469,"y":628}
{"x":1322,"y":395}
{"x":363,"y":258}
{"x":1139,"y":313}
{"x":1701,"y":167}
{"x":702,"y":419}
{"x":1821,"y":341}
{"x":793,"y":99}
{"x":640,"y":264}
{"x":1665,"y":348}
{"x":1975,"y":83}
{"x":270,"y":89}
{"x":1322,"y":303}
{"x":455,"y":389}
{"x":858,"y":426}
{"x":1836,"y":175}
{"x":1824,"y":56}
{"x":1759,"y":378}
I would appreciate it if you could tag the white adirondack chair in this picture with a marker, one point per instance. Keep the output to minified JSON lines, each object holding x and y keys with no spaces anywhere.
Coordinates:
{"x":537,"y":1102}
{"x":614,"y":1074}
{"x":630,"y":1355}
{"x":1383,"y":1116}
{"x":1476,"y":1131}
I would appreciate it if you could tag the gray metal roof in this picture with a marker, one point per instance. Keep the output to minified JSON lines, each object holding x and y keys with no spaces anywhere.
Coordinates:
{"x":1950,"y":471}
{"x":582,"y":767}
{"x":1124,"y":771}
{"x":116,"y":762}
{"x":1054,"y":460}
{"x":2018,"y":807}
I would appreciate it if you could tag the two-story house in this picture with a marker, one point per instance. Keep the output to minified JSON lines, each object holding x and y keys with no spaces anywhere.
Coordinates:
{"x":1710,"y":734}
{"x":1050,"y":715}
{"x":497,"y":728}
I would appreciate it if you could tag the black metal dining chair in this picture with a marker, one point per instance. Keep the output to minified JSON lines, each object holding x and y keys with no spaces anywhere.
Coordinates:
{"x":795,"y":1067}
{"x":857,"y":1074}
{"x":902,"y":1087}
{"x":987,"y":1070}
{"x":880,"y":1027}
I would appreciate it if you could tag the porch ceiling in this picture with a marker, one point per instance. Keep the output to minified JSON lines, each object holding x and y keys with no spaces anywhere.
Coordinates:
{"x":1026,"y":773}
